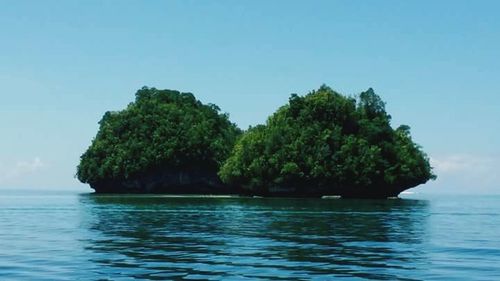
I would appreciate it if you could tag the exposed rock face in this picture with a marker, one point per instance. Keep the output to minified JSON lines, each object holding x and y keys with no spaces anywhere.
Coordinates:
{"x":371,"y":193}
{"x":344,"y":192}
{"x":208,"y":183}
{"x":167,"y":182}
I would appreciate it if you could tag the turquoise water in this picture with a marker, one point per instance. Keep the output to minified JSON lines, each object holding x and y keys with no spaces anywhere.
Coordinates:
{"x":89,"y":237}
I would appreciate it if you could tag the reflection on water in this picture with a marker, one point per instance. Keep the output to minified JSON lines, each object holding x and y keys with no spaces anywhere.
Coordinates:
{"x":246,"y":238}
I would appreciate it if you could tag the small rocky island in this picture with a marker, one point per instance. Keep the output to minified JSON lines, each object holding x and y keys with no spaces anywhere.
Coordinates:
{"x":319,"y":144}
{"x":164,"y":142}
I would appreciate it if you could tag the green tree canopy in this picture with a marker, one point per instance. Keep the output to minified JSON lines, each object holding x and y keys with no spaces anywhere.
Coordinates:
{"x":162,"y":129}
{"x":325,"y":142}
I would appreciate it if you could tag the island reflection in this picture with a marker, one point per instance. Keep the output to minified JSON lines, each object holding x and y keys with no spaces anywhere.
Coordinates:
{"x":154,"y":237}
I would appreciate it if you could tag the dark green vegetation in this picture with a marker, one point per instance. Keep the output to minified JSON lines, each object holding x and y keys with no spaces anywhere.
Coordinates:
{"x":165,"y":141}
{"x":321,"y":144}
{"x":327,"y":144}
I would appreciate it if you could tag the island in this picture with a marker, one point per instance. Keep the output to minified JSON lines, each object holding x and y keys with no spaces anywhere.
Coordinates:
{"x":319,"y":144}
{"x":325,"y":143}
{"x":164,"y":142}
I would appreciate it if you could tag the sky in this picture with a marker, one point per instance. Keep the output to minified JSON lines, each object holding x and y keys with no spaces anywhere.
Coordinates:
{"x":64,"y":63}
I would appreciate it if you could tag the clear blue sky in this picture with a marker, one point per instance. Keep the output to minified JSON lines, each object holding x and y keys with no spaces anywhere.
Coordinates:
{"x":64,"y":63}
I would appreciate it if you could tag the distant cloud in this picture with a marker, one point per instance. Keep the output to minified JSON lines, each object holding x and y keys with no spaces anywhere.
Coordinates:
{"x":467,"y":173}
{"x":30,"y":166}
{"x":20,"y":169}
{"x":463,"y":163}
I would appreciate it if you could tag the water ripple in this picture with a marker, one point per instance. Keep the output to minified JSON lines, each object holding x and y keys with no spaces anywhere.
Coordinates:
{"x":158,"y":238}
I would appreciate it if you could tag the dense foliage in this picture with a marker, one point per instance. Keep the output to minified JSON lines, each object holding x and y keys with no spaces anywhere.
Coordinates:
{"x":327,"y":141}
{"x":162,"y":129}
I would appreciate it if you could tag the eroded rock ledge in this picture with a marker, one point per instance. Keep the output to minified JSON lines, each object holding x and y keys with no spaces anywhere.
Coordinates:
{"x":208,"y":183}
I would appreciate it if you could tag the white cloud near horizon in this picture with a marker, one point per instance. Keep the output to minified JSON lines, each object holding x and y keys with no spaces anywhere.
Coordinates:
{"x":20,"y":169}
{"x":466,"y":173}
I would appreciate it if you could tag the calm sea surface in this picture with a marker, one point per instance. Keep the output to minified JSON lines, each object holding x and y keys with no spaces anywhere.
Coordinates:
{"x":89,"y":237}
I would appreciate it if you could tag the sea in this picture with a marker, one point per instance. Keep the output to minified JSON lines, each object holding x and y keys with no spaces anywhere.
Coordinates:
{"x":72,"y":236}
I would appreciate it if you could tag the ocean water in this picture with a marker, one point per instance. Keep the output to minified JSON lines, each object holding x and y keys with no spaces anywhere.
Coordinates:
{"x":95,"y":237}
